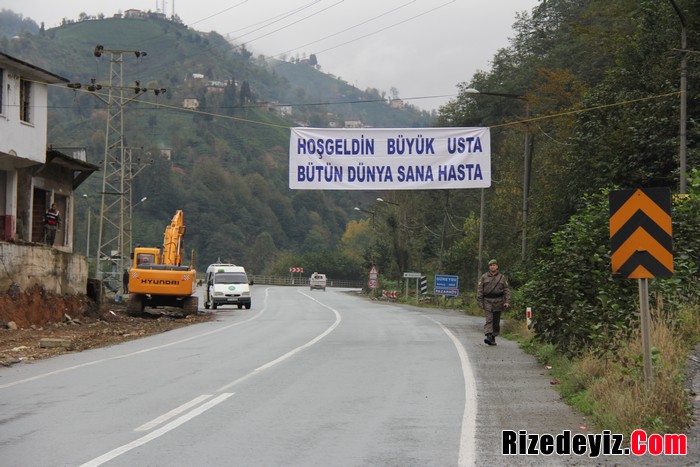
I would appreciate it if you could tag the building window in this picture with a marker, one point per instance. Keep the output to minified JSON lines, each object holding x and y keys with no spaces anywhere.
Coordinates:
{"x":25,"y":99}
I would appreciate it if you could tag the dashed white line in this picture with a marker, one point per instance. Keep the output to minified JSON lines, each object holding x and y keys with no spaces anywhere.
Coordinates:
{"x":157,"y":433}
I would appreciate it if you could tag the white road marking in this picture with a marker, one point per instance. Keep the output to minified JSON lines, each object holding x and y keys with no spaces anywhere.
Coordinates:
{"x":206,"y":406}
{"x":139,"y":352}
{"x":176,"y":411}
{"x":292,"y":352}
{"x":467,"y":439}
{"x":157,"y":433}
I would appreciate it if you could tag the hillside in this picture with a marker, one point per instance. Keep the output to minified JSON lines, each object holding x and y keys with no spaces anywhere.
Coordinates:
{"x":227,"y":165}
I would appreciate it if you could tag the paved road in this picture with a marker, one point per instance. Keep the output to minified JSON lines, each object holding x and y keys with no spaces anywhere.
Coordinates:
{"x":301,"y":379}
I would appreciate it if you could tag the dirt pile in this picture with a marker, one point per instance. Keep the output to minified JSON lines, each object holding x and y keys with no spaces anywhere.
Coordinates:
{"x":31,"y":320}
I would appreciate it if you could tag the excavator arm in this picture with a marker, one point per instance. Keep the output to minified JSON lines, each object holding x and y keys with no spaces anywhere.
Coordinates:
{"x":173,"y":240}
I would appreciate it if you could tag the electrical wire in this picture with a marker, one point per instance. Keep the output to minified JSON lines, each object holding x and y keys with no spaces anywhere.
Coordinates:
{"x":274,"y":19}
{"x":295,"y":22}
{"x":387,"y":27}
{"x":217,"y":14}
{"x":347,"y":29}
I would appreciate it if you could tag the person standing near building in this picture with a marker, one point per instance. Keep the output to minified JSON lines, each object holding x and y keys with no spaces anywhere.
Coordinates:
{"x":52,"y":221}
{"x":492,"y":296}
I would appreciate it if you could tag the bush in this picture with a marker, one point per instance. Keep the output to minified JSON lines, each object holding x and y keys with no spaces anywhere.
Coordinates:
{"x":577,"y":304}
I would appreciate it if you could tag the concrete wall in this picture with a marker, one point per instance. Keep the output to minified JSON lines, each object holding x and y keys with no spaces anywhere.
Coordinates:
{"x":55,"y":270}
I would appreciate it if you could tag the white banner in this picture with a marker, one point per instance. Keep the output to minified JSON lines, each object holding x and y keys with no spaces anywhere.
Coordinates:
{"x":389,"y":158}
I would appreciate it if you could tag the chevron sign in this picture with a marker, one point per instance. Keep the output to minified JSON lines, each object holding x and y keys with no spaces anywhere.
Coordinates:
{"x":640,"y":233}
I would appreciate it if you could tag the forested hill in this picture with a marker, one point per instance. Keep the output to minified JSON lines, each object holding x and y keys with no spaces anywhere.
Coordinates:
{"x":225,"y":163}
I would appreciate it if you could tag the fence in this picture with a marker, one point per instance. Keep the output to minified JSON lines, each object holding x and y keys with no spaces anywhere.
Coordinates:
{"x":304,"y":281}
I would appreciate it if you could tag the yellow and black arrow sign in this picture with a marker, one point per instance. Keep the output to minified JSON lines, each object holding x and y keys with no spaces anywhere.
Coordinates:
{"x":640,"y":233}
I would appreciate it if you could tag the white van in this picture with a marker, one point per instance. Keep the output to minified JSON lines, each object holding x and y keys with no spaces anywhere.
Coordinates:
{"x":227,"y":284}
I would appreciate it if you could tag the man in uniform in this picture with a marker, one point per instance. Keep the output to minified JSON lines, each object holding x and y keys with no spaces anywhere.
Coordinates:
{"x":492,"y":296}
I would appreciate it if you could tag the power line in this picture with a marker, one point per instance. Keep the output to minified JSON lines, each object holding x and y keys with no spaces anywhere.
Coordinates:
{"x":348,"y":29}
{"x":387,"y":27}
{"x":298,"y":21}
{"x":217,"y":14}
{"x":274,"y":19}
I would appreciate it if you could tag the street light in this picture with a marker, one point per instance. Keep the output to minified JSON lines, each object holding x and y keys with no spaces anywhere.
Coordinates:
{"x":87,"y":239}
{"x":371,"y":213}
{"x":526,"y":172}
{"x":388,"y":202}
{"x":684,"y":88}
{"x":141,"y":201}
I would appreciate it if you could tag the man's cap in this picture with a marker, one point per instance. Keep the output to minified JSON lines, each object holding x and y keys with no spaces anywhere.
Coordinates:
{"x":493,"y":261}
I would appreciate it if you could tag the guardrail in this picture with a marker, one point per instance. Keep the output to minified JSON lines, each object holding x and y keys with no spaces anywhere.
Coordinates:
{"x":304,"y":281}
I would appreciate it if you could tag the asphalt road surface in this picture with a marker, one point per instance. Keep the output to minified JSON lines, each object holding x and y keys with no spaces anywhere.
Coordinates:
{"x":303,"y":378}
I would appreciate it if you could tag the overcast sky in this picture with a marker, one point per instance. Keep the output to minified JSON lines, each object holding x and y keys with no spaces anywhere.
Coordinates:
{"x":420,"y":47}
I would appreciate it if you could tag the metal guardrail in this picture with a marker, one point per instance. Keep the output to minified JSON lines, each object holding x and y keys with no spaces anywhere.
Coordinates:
{"x":304,"y":281}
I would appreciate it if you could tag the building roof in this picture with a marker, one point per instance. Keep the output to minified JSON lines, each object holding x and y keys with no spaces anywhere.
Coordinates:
{"x":31,"y":71}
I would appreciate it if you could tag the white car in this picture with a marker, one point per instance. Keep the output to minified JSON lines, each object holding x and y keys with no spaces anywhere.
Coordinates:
{"x":317,"y":281}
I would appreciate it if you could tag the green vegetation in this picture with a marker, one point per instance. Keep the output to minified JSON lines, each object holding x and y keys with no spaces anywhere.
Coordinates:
{"x":228,"y":165}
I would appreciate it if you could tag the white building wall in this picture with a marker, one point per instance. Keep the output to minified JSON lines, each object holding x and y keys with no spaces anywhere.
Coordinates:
{"x":22,"y":139}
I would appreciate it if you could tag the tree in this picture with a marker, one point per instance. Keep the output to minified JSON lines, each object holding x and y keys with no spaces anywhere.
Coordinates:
{"x":246,"y":96}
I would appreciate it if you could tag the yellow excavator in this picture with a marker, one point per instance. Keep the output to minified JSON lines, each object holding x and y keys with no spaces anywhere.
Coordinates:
{"x":158,"y":278}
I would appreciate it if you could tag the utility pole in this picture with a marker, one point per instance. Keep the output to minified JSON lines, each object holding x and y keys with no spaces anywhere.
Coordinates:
{"x":115,"y":210}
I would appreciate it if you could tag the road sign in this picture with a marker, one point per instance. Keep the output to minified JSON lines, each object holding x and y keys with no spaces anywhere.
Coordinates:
{"x":372,"y":283}
{"x":423,"y":284}
{"x":296,"y":269}
{"x":446,"y":291}
{"x":451,"y":282}
{"x":412,"y":275}
{"x":373,"y":273}
{"x":641,"y":239}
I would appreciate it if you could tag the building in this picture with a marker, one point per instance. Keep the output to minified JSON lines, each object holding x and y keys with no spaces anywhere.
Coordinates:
{"x":33,"y":175}
{"x":190,"y":103}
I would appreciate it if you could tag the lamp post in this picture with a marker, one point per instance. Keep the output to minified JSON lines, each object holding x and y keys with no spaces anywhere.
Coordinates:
{"x":388,"y":202}
{"x":684,"y":88}
{"x":140,"y":201}
{"x":87,"y":238}
{"x":371,"y":213}
{"x":131,"y":216}
{"x":527,"y":163}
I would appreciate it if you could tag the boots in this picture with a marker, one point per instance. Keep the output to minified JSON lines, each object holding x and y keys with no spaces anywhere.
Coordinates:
{"x":490,"y":339}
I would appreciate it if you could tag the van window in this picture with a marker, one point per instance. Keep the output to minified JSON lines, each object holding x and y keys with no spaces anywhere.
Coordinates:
{"x":230,"y":278}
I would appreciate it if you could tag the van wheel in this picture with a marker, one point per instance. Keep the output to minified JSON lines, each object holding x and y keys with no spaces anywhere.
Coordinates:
{"x":206,"y":304}
{"x":214,"y":305}
{"x":247,"y":306}
{"x":240,"y":305}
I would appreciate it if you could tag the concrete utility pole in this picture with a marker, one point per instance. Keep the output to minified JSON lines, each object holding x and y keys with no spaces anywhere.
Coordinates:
{"x":527,"y":165}
{"x":683,"y":146}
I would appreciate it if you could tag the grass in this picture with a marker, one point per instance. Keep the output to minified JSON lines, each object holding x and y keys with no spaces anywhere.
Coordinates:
{"x":611,"y":388}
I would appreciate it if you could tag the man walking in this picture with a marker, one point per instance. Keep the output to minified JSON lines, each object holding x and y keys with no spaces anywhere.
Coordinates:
{"x":492,"y":296}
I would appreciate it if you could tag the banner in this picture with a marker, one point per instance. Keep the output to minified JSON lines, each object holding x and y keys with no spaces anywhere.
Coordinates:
{"x":389,"y":158}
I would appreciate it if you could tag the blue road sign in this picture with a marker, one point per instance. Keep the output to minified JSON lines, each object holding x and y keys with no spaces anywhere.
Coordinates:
{"x":450,"y":282}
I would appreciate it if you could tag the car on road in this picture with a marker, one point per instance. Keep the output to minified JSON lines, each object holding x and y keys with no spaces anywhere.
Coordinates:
{"x":317,"y":281}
